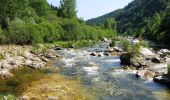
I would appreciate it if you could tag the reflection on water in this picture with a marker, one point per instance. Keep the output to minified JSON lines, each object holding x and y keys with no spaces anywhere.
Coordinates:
{"x":102,"y":77}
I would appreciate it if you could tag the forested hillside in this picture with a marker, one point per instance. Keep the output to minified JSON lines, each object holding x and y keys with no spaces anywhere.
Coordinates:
{"x":35,"y":21}
{"x":141,"y":18}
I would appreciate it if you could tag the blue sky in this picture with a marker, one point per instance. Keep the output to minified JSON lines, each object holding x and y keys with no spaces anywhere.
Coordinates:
{"x":93,"y":8}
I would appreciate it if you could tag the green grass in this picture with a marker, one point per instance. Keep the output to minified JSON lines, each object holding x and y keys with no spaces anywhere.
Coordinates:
{"x":78,"y":44}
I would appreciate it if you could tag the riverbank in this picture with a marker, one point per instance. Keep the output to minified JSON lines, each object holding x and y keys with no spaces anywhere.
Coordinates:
{"x":22,"y":66}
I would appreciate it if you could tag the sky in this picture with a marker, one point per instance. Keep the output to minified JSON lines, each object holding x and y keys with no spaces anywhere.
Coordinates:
{"x":88,"y":9}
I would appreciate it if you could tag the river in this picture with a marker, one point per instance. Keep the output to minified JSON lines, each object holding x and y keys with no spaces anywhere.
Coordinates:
{"x":104,"y":78}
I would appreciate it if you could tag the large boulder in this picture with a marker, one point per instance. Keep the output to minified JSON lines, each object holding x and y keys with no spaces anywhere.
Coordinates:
{"x":167,"y":59}
{"x":159,"y":69}
{"x":145,"y":74}
{"x":162,"y":80}
{"x":146,"y":52}
{"x":126,"y":58}
{"x":164,"y":51}
{"x":156,"y":60}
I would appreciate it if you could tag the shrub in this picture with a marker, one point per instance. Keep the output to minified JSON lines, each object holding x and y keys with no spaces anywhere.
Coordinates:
{"x":126,"y":46}
{"x":18,"y":32}
{"x":143,"y":43}
{"x":36,"y":33}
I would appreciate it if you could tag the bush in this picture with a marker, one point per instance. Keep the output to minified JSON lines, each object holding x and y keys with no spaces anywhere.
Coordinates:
{"x":126,"y":46}
{"x":143,"y":43}
{"x":132,"y":48}
{"x":18,"y":32}
{"x":51,"y":33}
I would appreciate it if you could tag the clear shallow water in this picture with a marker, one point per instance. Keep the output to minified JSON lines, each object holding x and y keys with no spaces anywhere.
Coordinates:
{"x":103,"y":77}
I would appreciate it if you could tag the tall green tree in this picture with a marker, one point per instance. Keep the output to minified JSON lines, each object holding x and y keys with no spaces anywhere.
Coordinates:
{"x":41,"y":7}
{"x":164,"y":30}
{"x":110,"y":23}
{"x":67,"y":9}
{"x":10,"y":9}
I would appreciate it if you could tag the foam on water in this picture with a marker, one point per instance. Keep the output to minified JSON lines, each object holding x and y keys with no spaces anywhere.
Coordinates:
{"x":91,"y":70}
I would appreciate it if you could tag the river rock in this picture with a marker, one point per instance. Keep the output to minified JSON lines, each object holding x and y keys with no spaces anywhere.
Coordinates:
{"x":146,"y":52}
{"x":145,"y":74}
{"x":167,"y":59}
{"x":105,"y":39}
{"x":126,"y":58}
{"x":56,"y":47}
{"x":164,"y":51}
{"x":50,"y":55}
{"x":99,"y":55}
{"x":93,"y":54}
{"x":162,"y":80}
{"x":5,"y":73}
{"x":28,"y":55}
{"x":117,"y":49}
{"x":109,"y":50}
{"x":160,"y":69}
{"x":23,"y":98}
{"x":5,"y":65}
{"x":44,"y":59}
{"x":156,"y":60}
{"x":72,"y":46}
{"x":107,"y":54}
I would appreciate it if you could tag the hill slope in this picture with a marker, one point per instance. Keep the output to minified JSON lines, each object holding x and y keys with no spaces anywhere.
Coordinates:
{"x":142,"y":18}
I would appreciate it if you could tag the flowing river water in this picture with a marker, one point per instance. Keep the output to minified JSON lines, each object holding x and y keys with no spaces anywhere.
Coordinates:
{"x":79,"y":76}
{"x":104,"y":79}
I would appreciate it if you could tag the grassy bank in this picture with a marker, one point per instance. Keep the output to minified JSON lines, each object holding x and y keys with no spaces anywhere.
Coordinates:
{"x":78,"y":44}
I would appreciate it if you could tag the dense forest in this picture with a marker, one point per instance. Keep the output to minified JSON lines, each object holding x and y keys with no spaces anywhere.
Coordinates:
{"x":141,"y":18}
{"x":35,"y":21}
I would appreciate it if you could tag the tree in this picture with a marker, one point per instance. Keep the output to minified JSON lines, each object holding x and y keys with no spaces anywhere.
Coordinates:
{"x":164,"y":30}
{"x":11,"y":9}
{"x":67,"y":9}
{"x":110,"y":23}
{"x":41,"y":7}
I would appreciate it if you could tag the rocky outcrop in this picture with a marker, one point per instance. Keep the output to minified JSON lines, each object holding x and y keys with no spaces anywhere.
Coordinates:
{"x":148,"y":62}
{"x":21,"y":56}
